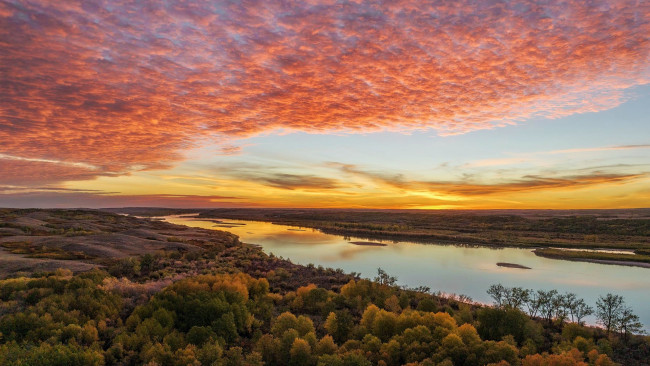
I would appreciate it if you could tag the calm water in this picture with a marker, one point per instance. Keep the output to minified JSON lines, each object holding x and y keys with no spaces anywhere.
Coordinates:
{"x":446,"y":268}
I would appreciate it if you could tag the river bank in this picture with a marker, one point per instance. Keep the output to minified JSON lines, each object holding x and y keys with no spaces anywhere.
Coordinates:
{"x":586,"y":229}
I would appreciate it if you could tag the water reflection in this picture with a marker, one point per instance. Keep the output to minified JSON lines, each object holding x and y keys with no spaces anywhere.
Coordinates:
{"x":468,"y":270}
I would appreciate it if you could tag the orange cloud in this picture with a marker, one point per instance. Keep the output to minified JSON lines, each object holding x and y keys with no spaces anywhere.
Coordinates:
{"x":531,"y":183}
{"x":468,"y":187}
{"x":294,"y":181}
{"x":17,"y":172}
{"x":126,"y":86}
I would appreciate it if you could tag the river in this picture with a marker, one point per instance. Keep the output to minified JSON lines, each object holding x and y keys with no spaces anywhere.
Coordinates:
{"x":466,"y":270}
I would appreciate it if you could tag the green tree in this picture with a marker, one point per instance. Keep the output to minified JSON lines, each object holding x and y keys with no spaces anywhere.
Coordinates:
{"x":300,"y":353}
{"x":384,"y":278}
{"x":339,"y":324}
{"x":608,"y":311}
{"x":516,"y":297}
{"x":494,"y":324}
{"x":547,"y":303}
{"x":497,"y":292}
{"x":581,"y":310}
{"x":326,"y":346}
{"x":534,"y":303}
{"x":199,"y":335}
{"x":628,"y":323}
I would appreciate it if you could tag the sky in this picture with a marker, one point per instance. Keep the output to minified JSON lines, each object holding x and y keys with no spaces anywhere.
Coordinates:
{"x":411,"y":104}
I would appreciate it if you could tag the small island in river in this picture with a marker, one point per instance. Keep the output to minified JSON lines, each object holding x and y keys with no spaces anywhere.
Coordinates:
{"x":368,"y":243}
{"x":511,"y":265}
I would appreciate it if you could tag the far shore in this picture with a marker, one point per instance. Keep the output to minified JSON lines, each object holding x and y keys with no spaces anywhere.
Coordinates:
{"x":537,"y":248}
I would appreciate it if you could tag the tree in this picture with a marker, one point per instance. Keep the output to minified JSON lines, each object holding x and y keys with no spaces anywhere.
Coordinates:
{"x":497,"y":292}
{"x":392,"y":304}
{"x":560,"y":307}
{"x":608,"y":310}
{"x":287,"y":320}
{"x":547,"y":303}
{"x":300,"y":353}
{"x":355,"y":359}
{"x":494,"y":324}
{"x":338,"y":324}
{"x":199,"y":335}
{"x":384,"y":278}
{"x":209,"y":354}
{"x":533,"y":304}
{"x":628,"y":323}
{"x":516,"y":297}
{"x":326,"y":346}
{"x":384,"y":325}
{"x":570,"y":301}
{"x":581,"y":310}
{"x":270,"y":348}
{"x":427,"y":305}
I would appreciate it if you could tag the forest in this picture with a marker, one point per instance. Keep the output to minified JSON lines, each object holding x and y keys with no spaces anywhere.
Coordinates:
{"x":216,"y":301}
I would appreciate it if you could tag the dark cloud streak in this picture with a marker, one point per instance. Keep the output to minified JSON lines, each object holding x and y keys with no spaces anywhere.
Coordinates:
{"x":38,"y":199}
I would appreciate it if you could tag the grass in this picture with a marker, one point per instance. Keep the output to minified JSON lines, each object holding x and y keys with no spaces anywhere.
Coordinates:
{"x":36,"y":251}
{"x":175,"y":239}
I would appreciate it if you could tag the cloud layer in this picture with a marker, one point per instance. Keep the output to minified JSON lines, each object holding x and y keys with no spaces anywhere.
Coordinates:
{"x":28,"y":198}
{"x":124,"y":86}
{"x":471,"y":186}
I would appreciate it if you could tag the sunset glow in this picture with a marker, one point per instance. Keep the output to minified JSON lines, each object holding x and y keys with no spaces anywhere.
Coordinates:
{"x":376,"y":104}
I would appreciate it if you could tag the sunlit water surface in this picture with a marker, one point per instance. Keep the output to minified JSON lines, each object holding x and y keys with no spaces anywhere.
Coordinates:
{"x":447,"y":268}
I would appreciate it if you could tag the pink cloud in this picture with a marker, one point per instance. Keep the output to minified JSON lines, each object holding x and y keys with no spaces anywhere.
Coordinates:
{"x":125,"y":86}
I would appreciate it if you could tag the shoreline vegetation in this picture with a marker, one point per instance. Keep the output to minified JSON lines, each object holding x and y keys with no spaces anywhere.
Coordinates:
{"x":545,"y":231}
{"x":635,"y":260}
{"x":164,"y":294}
{"x":614,"y":229}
